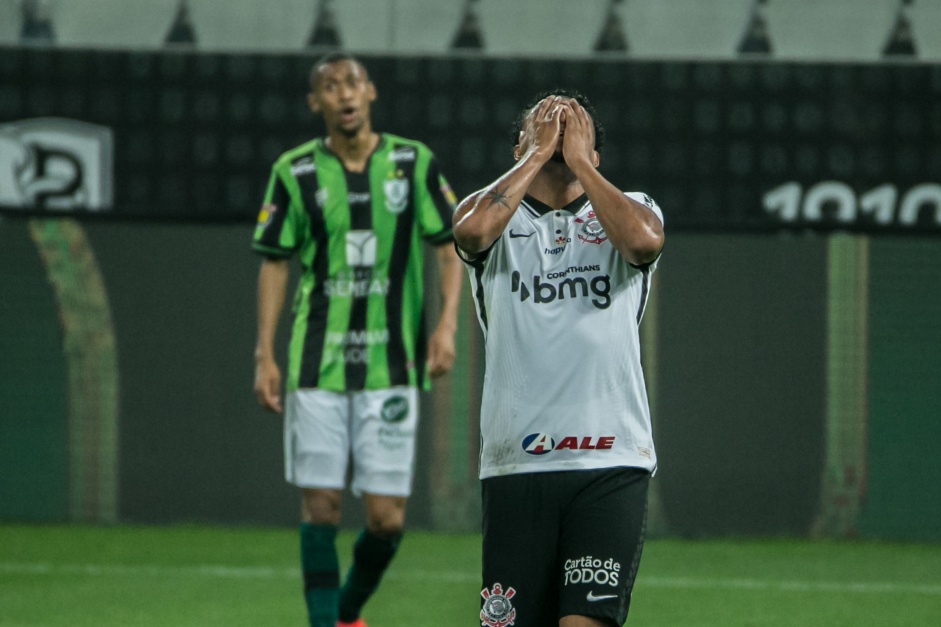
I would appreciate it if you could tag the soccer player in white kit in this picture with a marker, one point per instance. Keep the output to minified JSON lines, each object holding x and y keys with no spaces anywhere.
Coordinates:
{"x":561,"y":260}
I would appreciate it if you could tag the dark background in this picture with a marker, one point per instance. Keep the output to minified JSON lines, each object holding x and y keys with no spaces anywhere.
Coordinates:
{"x":741,"y":335}
{"x":196,"y":133}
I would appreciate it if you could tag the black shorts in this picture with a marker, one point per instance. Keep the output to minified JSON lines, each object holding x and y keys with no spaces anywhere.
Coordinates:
{"x":561,"y":543}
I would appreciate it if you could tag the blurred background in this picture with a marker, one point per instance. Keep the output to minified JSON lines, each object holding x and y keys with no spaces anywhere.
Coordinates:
{"x":792,"y":345}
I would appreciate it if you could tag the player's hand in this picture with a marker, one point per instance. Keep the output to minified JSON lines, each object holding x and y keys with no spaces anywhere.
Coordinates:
{"x":440,"y":352}
{"x":578,"y":143}
{"x":268,"y":385}
{"x":545,"y":127}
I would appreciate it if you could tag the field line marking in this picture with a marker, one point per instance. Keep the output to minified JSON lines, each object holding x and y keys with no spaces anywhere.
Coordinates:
{"x":865,"y":587}
{"x":264,"y":572}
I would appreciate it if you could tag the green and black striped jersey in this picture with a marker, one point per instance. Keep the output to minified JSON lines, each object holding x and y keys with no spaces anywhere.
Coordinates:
{"x":358,"y":307}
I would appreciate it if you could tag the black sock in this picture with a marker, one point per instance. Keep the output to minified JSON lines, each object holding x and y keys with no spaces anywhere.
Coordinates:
{"x":371,"y":555}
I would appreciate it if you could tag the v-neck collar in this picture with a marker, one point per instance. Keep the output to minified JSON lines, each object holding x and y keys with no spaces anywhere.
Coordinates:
{"x":379,"y":145}
{"x":542,"y":208}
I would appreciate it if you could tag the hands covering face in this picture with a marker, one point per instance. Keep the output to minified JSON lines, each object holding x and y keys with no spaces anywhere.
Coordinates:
{"x":560,"y":127}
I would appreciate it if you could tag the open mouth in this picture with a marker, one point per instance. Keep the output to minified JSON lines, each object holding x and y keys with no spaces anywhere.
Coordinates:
{"x":348,"y":114}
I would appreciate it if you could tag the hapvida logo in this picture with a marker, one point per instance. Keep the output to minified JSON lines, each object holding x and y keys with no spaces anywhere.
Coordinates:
{"x":560,"y":243}
{"x":598,"y":288}
{"x":541,"y":443}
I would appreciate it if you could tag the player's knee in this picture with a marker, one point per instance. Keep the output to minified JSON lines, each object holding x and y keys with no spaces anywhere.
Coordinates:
{"x":386,"y":526}
{"x":320,"y":507}
{"x":387,"y":522}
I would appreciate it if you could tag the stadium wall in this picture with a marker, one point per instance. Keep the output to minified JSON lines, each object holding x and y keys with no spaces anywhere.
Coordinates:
{"x":793,"y":364}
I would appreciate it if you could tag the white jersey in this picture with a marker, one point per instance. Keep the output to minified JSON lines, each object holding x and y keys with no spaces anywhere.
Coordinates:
{"x":560,"y":310}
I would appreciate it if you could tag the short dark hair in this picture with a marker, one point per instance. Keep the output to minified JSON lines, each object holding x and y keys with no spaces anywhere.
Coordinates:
{"x":580,"y":98}
{"x":333,"y":57}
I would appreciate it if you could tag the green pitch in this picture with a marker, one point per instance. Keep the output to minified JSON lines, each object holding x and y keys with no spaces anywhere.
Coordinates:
{"x":201,"y":577}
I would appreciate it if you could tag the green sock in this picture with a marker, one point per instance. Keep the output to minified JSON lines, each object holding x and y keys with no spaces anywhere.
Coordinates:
{"x":371,"y":555}
{"x":321,"y":573}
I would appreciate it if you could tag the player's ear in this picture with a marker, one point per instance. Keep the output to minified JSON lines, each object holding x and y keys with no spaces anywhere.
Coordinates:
{"x":595,"y":158}
{"x":371,"y":94}
{"x":313,"y":103}
{"x":517,"y":151}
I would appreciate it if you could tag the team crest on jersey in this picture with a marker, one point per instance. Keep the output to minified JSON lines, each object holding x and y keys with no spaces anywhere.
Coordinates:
{"x":590,"y":229}
{"x":266,"y":214}
{"x":498,"y":611}
{"x":396,"y":194}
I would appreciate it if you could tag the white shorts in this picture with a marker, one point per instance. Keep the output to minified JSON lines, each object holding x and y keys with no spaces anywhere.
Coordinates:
{"x":378,"y":427}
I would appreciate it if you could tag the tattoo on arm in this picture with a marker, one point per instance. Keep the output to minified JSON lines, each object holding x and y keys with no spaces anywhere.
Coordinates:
{"x":498,"y":197}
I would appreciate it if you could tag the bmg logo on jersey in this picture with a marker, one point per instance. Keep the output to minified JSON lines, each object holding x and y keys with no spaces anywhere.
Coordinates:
{"x":50,"y":163}
{"x":541,"y":443}
{"x":592,"y":570}
{"x":598,"y":288}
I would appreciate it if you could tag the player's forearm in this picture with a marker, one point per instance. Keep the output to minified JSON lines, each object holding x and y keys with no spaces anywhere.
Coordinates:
{"x":633,"y":229}
{"x":482,"y":217}
{"x":272,"y":285}
{"x":451,"y":275}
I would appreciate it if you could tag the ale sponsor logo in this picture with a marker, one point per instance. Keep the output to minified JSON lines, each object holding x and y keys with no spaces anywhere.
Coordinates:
{"x":542,"y":443}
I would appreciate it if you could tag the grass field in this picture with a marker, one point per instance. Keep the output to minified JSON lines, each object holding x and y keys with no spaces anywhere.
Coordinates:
{"x":200,"y":576}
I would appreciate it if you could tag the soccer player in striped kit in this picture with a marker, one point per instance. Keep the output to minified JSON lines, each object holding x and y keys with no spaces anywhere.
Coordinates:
{"x":561,"y":262}
{"x":356,"y":208}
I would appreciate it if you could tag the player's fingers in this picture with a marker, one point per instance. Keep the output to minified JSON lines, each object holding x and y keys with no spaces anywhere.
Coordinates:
{"x":433,"y":366}
{"x":440,"y":360}
{"x":551,"y":107}
{"x":543,"y":107}
{"x":268,"y":394}
{"x":574,"y":113}
{"x":583,"y":115}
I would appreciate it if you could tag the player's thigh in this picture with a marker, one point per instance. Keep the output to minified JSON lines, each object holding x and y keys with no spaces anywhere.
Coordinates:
{"x":520,"y":535}
{"x":316,"y":438}
{"x":383,"y":428}
{"x":601,"y":542}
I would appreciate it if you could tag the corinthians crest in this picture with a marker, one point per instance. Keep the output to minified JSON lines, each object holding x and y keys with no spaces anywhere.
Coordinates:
{"x":497,"y":610}
{"x":396,"y":194}
{"x":590,"y":229}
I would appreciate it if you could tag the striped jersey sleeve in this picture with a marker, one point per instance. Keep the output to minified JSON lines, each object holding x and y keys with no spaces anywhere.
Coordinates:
{"x":276,"y":232}
{"x":435,"y":206}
